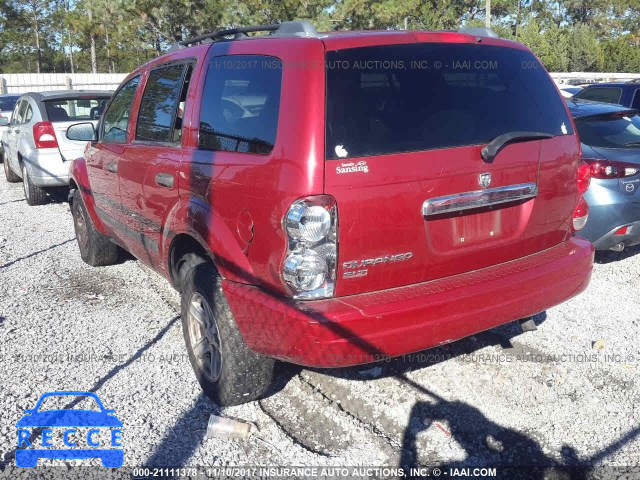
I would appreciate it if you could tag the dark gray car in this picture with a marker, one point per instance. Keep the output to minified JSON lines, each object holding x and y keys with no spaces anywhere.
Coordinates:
{"x":610,"y":137}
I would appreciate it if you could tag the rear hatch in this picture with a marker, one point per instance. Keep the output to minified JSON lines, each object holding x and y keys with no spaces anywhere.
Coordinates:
{"x":406,"y":124}
{"x":63,"y":113}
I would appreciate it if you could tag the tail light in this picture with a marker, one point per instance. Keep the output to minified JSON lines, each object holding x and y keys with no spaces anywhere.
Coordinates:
{"x":584,"y":178}
{"x":580,"y":215}
{"x":311,"y":225}
{"x":44,"y":135}
{"x":606,"y":169}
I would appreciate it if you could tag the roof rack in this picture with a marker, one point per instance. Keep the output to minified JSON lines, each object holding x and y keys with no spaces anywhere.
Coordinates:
{"x":296,"y":28}
{"x":479,"y":32}
{"x":635,"y":80}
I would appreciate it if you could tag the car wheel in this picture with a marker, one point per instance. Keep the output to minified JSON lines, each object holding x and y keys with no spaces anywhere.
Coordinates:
{"x":34,"y":194}
{"x":228,"y":372}
{"x":95,"y":249}
{"x":8,"y":173}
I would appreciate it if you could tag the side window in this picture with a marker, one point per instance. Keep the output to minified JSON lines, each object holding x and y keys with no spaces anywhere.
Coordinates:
{"x":116,"y":118}
{"x":19,"y":112}
{"x":241,"y":103}
{"x":159,"y":104}
{"x":28,"y":115}
{"x":636,"y":100}
{"x":601,"y":94}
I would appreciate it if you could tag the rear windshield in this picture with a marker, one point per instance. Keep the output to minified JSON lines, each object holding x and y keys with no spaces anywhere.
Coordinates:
{"x":611,"y":131}
{"x":601,"y":94}
{"x":8,"y":103}
{"x":404,"y":98}
{"x":72,"y":109}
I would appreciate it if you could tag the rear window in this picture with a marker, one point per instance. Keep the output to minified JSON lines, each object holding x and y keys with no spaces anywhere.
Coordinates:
{"x":610,"y":131}
{"x":7,"y":103}
{"x":601,"y":94}
{"x":75,"y":109}
{"x":241,"y":104}
{"x":404,"y":98}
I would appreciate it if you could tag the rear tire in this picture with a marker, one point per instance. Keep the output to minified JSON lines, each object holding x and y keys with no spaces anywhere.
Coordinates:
{"x":8,"y":173}
{"x":34,"y":194}
{"x":237,"y":375}
{"x":95,"y":249}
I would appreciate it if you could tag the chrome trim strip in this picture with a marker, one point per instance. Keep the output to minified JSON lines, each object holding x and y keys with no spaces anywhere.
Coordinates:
{"x":478,"y":199}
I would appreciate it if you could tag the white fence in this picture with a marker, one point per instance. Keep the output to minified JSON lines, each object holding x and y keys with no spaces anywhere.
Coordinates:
{"x":42,"y":82}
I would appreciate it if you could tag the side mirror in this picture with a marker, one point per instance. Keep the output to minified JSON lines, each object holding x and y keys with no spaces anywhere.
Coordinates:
{"x":4,"y":121}
{"x":82,"y":132}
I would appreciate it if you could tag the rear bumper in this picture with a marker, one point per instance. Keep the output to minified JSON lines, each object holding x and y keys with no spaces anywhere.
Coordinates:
{"x":609,"y":209}
{"x":46,"y":167}
{"x":369,"y":327}
{"x":610,"y":240}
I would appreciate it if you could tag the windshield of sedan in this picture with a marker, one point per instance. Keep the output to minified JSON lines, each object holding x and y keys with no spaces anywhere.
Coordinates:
{"x":610,"y":131}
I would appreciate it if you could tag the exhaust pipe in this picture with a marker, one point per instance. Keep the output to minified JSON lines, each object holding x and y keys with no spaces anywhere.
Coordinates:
{"x":618,"y":248}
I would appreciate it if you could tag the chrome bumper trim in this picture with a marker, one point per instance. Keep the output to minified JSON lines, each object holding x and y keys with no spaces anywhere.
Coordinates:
{"x":478,"y":199}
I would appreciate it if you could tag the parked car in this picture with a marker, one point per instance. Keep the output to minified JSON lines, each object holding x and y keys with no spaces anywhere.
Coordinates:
{"x":610,"y":136}
{"x":35,"y":146}
{"x":335,"y":199}
{"x":623,"y":93}
{"x":7,"y":103}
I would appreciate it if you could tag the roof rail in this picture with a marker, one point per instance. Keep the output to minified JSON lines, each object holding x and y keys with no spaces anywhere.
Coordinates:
{"x":635,"y":80}
{"x":296,"y":28}
{"x":479,"y":32}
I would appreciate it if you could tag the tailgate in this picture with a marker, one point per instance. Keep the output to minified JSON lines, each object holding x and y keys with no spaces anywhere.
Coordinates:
{"x":402,"y":142}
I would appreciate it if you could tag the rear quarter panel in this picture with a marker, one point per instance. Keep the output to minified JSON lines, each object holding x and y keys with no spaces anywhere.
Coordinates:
{"x":242,"y":198}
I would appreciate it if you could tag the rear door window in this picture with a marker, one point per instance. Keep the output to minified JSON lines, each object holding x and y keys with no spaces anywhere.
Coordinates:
{"x":241,"y":104}
{"x":20,"y":110}
{"x":601,"y":94}
{"x":75,"y":109}
{"x":159,"y":105}
{"x":404,"y":98}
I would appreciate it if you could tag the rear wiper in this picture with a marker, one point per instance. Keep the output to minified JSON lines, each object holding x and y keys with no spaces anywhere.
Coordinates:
{"x":632,"y":144}
{"x":489,"y":152}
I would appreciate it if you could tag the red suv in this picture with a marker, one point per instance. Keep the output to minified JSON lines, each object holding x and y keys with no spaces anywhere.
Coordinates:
{"x":334,"y":199}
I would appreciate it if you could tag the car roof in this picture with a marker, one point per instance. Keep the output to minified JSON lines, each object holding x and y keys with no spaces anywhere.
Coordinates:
{"x":631,"y":84}
{"x":336,"y":40}
{"x":62,"y":94}
{"x":10,"y":95}
{"x":587,"y":108}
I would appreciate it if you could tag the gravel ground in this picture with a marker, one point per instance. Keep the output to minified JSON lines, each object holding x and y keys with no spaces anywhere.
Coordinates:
{"x":566,"y":394}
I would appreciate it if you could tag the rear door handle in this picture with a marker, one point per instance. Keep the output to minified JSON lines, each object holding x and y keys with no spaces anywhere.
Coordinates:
{"x":164,"y":180}
{"x":112,"y":167}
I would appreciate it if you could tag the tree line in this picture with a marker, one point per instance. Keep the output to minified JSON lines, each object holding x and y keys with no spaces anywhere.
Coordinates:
{"x":118,"y":35}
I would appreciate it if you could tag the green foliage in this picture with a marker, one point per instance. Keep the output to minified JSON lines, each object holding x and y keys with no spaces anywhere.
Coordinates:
{"x":567,"y":35}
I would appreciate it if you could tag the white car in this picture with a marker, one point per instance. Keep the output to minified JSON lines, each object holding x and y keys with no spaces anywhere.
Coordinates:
{"x":7,"y":104}
{"x":35,"y":145}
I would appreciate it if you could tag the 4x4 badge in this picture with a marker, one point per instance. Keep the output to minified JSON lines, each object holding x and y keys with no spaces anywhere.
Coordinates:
{"x":484,"y":179}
